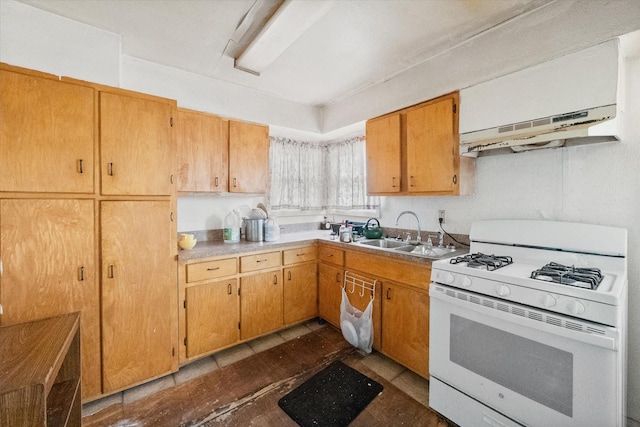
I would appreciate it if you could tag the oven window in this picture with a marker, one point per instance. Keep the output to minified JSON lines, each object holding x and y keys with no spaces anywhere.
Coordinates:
{"x":529,"y":368}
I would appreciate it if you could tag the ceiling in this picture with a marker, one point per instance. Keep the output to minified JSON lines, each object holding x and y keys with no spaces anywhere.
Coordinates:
{"x":356,"y":44}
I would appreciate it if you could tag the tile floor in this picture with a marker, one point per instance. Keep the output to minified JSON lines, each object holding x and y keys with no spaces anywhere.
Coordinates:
{"x":321,"y":343}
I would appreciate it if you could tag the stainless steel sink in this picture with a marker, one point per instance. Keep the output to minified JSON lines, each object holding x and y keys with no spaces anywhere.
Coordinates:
{"x":386,"y":243}
{"x":427,"y":251}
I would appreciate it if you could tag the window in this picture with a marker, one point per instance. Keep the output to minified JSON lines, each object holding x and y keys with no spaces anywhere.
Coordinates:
{"x":319,"y":176}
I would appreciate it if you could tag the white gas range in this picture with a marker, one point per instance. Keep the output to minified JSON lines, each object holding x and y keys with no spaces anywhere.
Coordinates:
{"x":510,"y":346}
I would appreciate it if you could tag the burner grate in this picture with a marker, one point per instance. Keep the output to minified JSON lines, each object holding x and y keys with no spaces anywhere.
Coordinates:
{"x":588,"y":278}
{"x":482,"y":261}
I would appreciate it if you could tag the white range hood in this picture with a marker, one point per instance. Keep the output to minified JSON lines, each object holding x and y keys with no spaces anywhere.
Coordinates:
{"x":570,"y":100}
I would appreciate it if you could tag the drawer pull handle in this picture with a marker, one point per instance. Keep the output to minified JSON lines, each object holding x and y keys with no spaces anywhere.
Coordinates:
{"x":262,"y":260}
{"x":337,"y":277}
{"x":234,"y":182}
{"x":80,"y":169}
{"x":171,"y":179}
{"x":216,"y":181}
{"x":411,"y":181}
{"x":393,"y":182}
{"x":81,"y":278}
{"x":213,"y":268}
{"x":110,"y":169}
{"x":275,"y":279}
{"x":289,"y":275}
{"x":388,"y":290}
{"x":229,"y":289}
{"x":110,"y":274}
{"x":328,"y":255}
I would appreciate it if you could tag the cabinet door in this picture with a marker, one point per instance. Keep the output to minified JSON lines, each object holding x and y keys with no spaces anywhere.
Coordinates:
{"x":138,"y":292}
{"x":46,"y":135}
{"x":405,"y":327}
{"x":260,"y":303}
{"x":383,"y":154}
{"x":432,"y":148}
{"x":248,"y":157}
{"x":48,"y":258}
{"x":300,"y":293}
{"x":135,"y":145}
{"x":203,"y":152}
{"x":213,"y":313}
{"x":330,"y":280}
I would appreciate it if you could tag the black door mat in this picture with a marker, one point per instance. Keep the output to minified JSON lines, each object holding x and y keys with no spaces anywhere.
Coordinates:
{"x":333,"y":397}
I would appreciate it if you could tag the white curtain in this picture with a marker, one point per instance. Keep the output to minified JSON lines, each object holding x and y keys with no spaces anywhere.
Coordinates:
{"x":319,"y":176}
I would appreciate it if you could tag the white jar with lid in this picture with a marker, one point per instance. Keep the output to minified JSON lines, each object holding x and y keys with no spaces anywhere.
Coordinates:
{"x":271,"y":230}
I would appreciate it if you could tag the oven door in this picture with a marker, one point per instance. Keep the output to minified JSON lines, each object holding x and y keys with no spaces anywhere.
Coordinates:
{"x":526,"y":364}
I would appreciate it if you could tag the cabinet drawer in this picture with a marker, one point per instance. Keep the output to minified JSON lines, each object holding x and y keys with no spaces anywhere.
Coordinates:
{"x":294,"y":256}
{"x":211,"y":269}
{"x":331,"y":255}
{"x":259,"y":261}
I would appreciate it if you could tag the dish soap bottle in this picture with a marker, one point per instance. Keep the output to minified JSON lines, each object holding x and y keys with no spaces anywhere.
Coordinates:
{"x":232,"y":224}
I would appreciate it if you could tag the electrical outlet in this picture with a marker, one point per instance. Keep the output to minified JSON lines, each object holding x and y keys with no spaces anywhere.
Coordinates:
{"x":441,"y":216}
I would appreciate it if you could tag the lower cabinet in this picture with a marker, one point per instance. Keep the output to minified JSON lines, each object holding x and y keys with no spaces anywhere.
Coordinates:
{"x":139,"y":333}
{"x":330,"y":278}
{"x":212,"y":317}
{"x":260,"y":303}
{"x":300,"y":286}
{"x":49,"y":268}
{"x":405,"y":326}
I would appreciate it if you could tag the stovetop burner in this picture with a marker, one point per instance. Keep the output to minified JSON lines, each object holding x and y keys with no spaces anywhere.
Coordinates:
{"x":588,"y":278}
{"x":482,"y":261}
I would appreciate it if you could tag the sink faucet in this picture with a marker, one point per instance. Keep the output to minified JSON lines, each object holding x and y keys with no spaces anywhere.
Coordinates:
{"x":419,"y":238}
{"x":441,"y":239}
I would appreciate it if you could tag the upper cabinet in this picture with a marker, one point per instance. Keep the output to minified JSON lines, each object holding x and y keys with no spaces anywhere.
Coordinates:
{"x":248,"y":157}
{"x":46,"y":135}
{"x":415,"y":151}
{"x":135,"y":145}
{"x":203,"y":152}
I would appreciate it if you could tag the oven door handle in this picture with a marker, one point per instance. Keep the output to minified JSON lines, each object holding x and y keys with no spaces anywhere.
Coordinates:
{"x":607,"y":342}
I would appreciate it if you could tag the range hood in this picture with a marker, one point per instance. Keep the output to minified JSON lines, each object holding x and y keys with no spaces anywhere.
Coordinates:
{"x":567,"y":101}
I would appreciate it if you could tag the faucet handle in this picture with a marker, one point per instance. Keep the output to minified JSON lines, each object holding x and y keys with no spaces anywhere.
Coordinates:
{"x":429,"y":241}
{"x":408,"y":239}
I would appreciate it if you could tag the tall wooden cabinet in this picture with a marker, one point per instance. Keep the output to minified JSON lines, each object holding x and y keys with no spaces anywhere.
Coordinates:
{"x":138,"y":292}
{"x":46,"y":134}
{"x":415,"y":151}
{"x":48,"y":269}
{"x":87,"y":221}
{"x":203,"y":152}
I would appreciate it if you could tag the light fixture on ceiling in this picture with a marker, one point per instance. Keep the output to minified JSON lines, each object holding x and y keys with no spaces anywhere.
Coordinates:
{"x":292,"y":19}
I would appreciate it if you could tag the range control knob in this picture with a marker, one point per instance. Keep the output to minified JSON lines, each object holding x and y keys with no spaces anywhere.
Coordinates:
{"x":575,"y":307}
{"x":503,"y":290}
{"x":548,"y":300}
{"x":447,"y":277}
{"x":465,"y":282}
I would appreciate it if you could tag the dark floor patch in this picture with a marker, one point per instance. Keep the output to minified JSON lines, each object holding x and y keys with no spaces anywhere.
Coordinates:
{"x":331,"y":398}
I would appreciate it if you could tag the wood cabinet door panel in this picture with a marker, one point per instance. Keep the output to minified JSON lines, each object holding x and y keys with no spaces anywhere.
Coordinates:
{"x":213,"y":313}
{"x":138,"y":292}
{"x":46,"y":135}
{"x":330,"y":280}
{"x":405,"y":328}
{"x":203,"y":152}
{"x":48,"y":256}
{"x":260,"y":303}
{"x":135,"y":145}
{"x":431,"y":148}
{"x":248,"y":157}
{"x":384,"y":154}
{"x":300,"y":293}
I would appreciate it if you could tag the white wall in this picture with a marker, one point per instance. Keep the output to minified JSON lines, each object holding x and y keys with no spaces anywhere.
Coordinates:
{"x":596,"y":184}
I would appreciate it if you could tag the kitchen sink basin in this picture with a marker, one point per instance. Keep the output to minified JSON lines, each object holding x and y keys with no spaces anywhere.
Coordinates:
{"x":386,"y":243}
{"x":428,"y":251}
